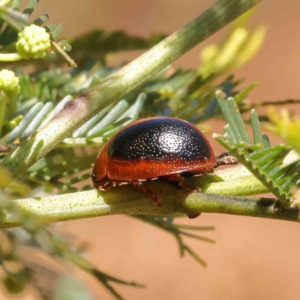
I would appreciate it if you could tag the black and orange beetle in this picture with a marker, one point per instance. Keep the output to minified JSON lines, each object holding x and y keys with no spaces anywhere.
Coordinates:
{"x":159,"y":147}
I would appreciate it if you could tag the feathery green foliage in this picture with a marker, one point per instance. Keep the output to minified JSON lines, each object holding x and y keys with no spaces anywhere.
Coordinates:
{"x":264,"y":161}
{"x":189,"y":94}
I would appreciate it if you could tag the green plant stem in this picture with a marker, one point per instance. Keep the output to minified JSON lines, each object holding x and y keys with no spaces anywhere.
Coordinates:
{"x":10,"y":57}
{"x":3,"y":100}
{"x":242,"y":206}
{"x":126,"y":200}
{"x":174,"y":201}
{"x":78,"y":111}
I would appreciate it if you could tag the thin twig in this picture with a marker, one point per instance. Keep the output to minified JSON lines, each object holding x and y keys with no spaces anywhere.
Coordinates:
{"x":127,"y":200}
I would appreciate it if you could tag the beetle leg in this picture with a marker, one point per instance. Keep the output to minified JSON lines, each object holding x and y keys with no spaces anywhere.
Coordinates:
{"x":4,"y":149}
{"x":140,"y":186}
{"x":184,"y":185}
{"x":104,"y":185}
{"x":181,"y":182}
{"x":226,"y":158}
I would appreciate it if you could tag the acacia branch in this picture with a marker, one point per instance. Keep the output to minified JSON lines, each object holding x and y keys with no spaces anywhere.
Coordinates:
{"x":174,"y":201}
{"x":126,"y":200}
{"x":78,"y":111}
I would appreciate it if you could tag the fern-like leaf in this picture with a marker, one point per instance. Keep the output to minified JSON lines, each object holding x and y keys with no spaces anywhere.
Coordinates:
{"x":264,"y":161}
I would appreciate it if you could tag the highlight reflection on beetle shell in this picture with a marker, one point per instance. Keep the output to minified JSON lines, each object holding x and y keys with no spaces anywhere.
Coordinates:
{"x":154,"y":147}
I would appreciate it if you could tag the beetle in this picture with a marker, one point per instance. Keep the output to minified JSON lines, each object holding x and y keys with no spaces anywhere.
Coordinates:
{"x":157,"y":147}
